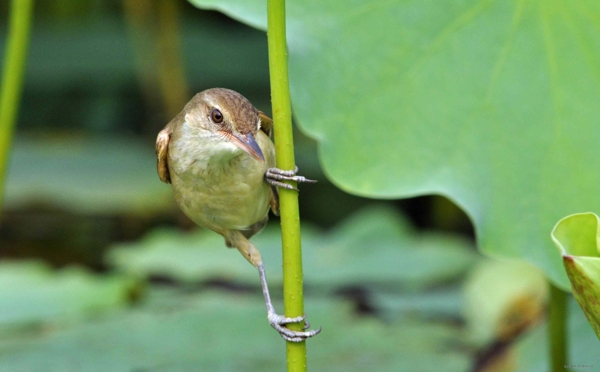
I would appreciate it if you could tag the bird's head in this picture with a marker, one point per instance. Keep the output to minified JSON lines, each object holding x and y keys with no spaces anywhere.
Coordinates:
{"x":227,"y":117}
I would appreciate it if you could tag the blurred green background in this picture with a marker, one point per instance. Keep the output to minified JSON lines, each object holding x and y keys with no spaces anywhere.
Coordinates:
{"x":100,"y":271}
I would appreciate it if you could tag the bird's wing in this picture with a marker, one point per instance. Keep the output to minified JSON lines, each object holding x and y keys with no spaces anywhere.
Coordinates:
{"x":162,"y":150}
{"x":266,"y":123}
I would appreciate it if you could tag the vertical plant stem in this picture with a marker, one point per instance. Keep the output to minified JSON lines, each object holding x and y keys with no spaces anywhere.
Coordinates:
{"x":171,"y":75}
{"x":153,"y":28}
{"x":284,"y":145}
{"x":12,"y":78}
{"x":557,"y":328}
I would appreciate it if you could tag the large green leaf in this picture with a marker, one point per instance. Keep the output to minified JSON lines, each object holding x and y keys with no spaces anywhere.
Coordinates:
{"x":374,"y":246}
{"x":217,"y":332}
{"x":209,"y":331}
{"x":30,"y":292}
{"x":106,"y":175}
{"x":491,"y":103}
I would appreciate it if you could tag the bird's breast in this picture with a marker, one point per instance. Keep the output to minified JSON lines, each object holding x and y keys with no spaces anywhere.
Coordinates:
{"x":219,"y":186}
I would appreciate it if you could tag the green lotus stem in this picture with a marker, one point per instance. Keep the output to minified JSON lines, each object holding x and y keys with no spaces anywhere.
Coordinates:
{"x":284,"y":146}
{"x":12,"y":77}
{"x":557,"y":328}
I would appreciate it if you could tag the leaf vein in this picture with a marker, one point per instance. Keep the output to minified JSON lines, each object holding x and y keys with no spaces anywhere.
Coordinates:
{"x":506,"y":48}
{"x":463,"y":19}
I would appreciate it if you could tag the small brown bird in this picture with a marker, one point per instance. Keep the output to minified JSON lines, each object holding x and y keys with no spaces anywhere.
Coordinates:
{"x":219,"y":157}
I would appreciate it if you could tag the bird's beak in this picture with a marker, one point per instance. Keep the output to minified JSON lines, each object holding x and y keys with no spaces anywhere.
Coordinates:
{"x":248,"y":144}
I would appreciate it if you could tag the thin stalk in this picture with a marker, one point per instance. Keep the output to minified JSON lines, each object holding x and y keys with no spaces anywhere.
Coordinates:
{"x":153,"y":28}
{"x":284,"y":146}
{"x":12,"y":77}
{"x":557,"y":328}
{"x":170,"y":71}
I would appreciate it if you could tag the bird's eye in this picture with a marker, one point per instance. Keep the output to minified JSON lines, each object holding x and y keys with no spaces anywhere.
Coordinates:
{"x":216,"y":116}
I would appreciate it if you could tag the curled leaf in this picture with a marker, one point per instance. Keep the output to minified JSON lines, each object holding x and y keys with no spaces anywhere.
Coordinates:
{"x":576,"y":236}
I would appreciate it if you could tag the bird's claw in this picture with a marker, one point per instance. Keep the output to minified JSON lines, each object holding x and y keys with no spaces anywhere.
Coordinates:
{"x":275,"y":176}
{"x":278,"y":322}
{"x":306,"y":324}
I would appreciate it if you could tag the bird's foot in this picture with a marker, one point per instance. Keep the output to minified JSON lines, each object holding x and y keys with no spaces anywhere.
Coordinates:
{"x":279,"y":321}
{"x":274,"y":176}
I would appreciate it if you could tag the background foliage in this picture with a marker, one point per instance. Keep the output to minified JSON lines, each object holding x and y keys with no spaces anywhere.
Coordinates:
{"x":493,"y":104}
{"x":101,"y":271}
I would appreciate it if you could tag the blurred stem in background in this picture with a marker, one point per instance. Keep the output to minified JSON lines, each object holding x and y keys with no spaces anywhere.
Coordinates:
{"x":557,"y":329}
{"x":12,"y":78}
{"x":284,"y":147}
{"x":174,"y":89}
{"x":154,"y":33}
